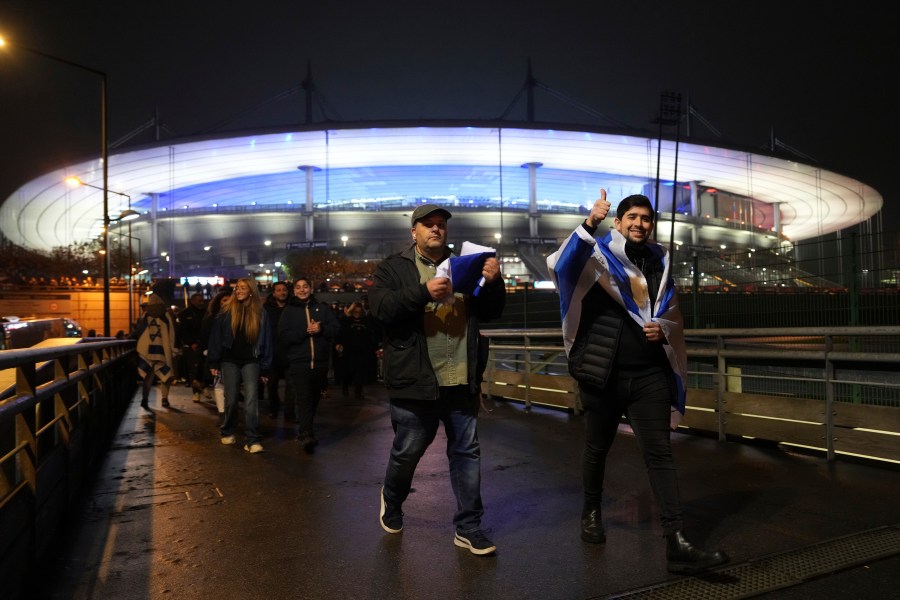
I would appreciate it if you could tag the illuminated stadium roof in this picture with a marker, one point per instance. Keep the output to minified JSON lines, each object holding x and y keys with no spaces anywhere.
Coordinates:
{"x":218,"y":190}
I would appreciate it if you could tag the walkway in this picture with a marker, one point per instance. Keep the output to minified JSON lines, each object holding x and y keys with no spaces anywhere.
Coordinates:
{"x":174,"y":514}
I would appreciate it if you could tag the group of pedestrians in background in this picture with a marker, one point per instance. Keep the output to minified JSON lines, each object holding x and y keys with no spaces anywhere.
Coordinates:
{"x":242,"y":350}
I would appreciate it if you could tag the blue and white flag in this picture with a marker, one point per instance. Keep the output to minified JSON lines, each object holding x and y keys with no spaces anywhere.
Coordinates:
{"x":464,"y":271}
{"x":582,"y":261}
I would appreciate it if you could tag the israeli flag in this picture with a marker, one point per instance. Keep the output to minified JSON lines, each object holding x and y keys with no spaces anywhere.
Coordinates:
{"x":464,"y":271}
{"x":582,"y":261}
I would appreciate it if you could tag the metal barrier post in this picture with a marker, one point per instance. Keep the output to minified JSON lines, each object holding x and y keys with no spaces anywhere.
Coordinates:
{"x":527,"y":373}
{"x":829,"y":399}
{"x":720,"y":395}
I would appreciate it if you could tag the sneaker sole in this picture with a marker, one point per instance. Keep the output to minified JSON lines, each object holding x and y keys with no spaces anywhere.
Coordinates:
{"x":464,"y":543}
{"x":381,"y":516}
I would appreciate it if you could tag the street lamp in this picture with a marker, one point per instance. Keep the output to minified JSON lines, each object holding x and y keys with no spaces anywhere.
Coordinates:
{"x":126,"y":215}
{"x":131,"y":272}
{"x":104,"y":157}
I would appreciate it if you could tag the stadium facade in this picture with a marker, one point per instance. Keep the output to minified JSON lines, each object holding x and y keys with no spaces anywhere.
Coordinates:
{"x":237,"y":202}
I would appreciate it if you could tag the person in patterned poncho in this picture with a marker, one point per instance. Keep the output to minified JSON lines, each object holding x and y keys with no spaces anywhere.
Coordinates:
{"x":155,"y":334}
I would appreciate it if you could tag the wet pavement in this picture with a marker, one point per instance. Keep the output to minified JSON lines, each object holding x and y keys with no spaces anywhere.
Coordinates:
{"x":175,"y":514}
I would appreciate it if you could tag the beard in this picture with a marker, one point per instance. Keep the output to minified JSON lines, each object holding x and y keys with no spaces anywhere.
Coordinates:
{"x":640,"y":242}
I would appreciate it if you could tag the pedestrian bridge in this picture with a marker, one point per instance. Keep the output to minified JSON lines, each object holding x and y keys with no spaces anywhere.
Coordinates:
{"x":173,"y":513}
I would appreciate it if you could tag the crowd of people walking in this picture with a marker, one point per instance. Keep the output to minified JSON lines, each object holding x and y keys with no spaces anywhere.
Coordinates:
{"x":276,"y":355}
{"x":623,"y":337}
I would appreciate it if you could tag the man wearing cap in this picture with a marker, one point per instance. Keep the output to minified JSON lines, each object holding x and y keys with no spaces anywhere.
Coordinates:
{"x":430,"y":370}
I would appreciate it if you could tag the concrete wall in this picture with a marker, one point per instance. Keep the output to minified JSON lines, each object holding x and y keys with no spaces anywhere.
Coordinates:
{"x":84,"y":306}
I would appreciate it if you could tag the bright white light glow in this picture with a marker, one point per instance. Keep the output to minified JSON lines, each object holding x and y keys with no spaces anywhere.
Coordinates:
{"x":813,"y":201}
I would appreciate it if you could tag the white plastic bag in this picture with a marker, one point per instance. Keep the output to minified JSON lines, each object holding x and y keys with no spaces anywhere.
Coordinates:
{"x":219,"y":394}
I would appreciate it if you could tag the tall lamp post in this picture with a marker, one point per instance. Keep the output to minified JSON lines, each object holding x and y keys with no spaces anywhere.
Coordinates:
{"x":125,"y":215}
{"x":104,"y":155}
{"x":131,"y":271}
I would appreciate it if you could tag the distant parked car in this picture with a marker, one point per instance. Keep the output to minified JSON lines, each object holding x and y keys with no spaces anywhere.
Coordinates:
{"x":16,"y":333}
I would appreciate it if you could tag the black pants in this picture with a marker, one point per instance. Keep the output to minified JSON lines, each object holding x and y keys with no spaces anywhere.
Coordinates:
{"x":646,"y":401}
{"x":194,"y":362}
{"x":307,"y":387}
{"x":355,"y":372}
{"x":270,"y":389}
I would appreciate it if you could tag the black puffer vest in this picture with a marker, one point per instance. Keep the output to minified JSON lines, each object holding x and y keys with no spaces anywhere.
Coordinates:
{"x":594,"y":351}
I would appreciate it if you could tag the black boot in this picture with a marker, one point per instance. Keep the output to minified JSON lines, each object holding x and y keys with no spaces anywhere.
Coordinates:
{"x":144,"y":403}
{"x":592,"y":526}
{"x":687,"y":559}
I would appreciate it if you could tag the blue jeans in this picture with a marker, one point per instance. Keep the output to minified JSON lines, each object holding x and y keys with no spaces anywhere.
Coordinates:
{"x":232,"y":377}
{"x":415,"y":424}
{"x":647,"y":402}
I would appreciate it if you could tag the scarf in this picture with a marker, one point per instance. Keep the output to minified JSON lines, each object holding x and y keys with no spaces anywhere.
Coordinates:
{"x":155,"y":347}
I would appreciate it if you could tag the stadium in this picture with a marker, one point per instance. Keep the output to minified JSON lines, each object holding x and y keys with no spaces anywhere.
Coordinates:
{"x":230,"y":204}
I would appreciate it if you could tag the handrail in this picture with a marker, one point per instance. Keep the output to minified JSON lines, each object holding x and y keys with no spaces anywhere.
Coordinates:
{"x":57,"y":414}
{"x":748,"y":332}
{"x":834,"y":368}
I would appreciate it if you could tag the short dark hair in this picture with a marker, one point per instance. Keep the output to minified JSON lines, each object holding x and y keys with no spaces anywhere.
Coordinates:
{"x":631,"y":202}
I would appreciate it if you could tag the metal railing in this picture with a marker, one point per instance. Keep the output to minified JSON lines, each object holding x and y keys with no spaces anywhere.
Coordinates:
{"x":836,"y":390}
{"x":59,"y":407}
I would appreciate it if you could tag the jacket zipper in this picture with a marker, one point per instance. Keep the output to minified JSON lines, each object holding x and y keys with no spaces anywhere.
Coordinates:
{"x":312,"y":346}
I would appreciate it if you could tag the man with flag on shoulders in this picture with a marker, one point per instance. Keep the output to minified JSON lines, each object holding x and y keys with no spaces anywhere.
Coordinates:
{"x":624,"y":341}
{"x":431,"y":323}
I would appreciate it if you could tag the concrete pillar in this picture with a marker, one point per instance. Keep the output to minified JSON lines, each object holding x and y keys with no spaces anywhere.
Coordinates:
{"x":308,"y":209}
{"x":154,"y":225}
{"x":776,"y":213}
{"x":695,"y":214}
{"x":533,"y":212}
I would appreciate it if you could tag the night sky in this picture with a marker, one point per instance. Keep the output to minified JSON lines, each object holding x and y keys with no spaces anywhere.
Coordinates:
{"x":819,"y":75}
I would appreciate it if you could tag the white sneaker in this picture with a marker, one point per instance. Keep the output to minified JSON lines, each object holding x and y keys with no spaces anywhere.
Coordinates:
{"x":254,"y":448}
{"x":227,"y":439}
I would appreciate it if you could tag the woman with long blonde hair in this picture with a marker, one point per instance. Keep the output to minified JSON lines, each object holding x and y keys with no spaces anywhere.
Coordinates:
{"x":240,"y":348}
